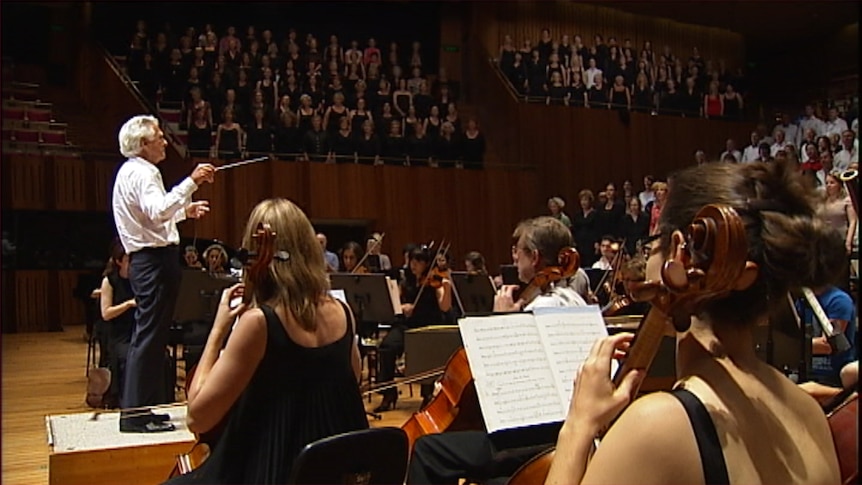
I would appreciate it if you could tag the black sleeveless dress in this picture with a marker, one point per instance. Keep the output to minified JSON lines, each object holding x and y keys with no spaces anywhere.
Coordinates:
{"x":296,"y":396}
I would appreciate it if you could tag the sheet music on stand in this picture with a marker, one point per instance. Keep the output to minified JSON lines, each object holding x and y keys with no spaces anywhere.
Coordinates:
{"x":524,"y":364}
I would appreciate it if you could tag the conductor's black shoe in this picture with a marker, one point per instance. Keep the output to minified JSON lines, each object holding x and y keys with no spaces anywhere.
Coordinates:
{"x":145,"y":426}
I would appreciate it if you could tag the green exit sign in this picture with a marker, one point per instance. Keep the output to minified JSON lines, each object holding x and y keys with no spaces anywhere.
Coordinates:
{"x":451,"y":48}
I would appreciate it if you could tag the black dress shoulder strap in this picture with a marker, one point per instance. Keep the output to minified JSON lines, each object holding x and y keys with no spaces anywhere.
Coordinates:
{"x":349,"y":316}
{"x":708,"y":444}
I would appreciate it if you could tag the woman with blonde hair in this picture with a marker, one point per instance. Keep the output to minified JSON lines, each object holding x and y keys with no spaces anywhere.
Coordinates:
{"x":288,"y":374}
{"x":838,"y":210}
{"x":556,"y":205}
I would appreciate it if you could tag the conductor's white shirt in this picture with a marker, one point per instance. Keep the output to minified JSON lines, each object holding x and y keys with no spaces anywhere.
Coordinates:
{"x":146,"y":216}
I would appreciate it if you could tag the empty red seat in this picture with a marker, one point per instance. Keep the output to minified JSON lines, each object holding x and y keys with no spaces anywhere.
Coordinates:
{"x":27,"y":136}
{"x":54,"y":137}
{"x":171,"y":115}
{"x":13,"y":113}
{"x":37,"y":114}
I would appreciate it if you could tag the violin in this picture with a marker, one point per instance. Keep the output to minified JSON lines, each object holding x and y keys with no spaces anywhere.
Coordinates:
{"x":568,"y":262}
{"x":256,"y":264}
{"x":708,"y":261}
{"x":435,"y":277}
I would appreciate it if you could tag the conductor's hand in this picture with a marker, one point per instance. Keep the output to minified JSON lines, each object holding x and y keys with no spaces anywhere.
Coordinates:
{"x":204,"y":172}
{"x":197,"y":209}
{"x":504,"y":300}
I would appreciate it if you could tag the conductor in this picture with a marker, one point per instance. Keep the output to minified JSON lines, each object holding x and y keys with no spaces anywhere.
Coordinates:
{"x":146,"y":218}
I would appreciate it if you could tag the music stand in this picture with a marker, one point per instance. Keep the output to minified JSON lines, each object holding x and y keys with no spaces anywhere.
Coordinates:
{"x":509,"y":274}
{"x":367,"y":295}
{"x":195,"y":309}
{"x":595,"y":275}
{"x":476,"y":292}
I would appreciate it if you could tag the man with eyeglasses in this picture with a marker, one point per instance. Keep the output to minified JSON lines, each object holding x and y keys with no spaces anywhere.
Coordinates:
{"x":448,"y":457}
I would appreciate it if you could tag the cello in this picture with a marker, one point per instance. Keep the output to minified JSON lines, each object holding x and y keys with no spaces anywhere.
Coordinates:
{"x":257,"y":264}
{"x":708,"y":261}
{"x":455,"y":407}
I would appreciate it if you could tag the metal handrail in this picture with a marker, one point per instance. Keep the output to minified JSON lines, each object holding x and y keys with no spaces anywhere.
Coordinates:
{"x":132,"y":86}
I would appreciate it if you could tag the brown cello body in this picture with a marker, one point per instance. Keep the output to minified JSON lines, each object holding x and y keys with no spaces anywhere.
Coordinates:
{"x":535,"y":471}
{"x":454,"y":408}
{"x":845,"y":434}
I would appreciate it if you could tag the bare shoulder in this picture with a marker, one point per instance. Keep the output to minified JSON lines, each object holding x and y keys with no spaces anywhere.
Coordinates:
{"x":656,"y":438}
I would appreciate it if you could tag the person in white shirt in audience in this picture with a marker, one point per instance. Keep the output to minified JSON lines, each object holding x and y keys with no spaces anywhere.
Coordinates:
{"x":647,"y":195}
{"x":791,"y":131}
{"x":835,"y":124}
{"x":855,"y":127}
{"x":765,"y":134}
{"x":810,"y":139}
{"x":590,"y":73}
{"x":811,"y":122}
{"x":730,"y":149}
{"x":608,"y":248}
{"x":780,"y":142}
{"x":700,"y":157}
{"x":849,"y":153}
{"x":752,"y":151}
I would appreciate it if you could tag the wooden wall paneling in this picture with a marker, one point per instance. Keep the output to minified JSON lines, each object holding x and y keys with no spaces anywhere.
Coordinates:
{"x":27,"y":181}
{"x":71,"y":310}
{"x":32,"y":301}
{"x":70,"y":184}
{"x":100,"y":175}
{"x":246,"y":185}
{"x":215,"y":224}
{"x":289,"y":180}
{"x":9,"y":302}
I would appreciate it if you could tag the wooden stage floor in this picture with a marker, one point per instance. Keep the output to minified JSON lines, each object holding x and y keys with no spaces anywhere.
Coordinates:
{"x":44,"y":374}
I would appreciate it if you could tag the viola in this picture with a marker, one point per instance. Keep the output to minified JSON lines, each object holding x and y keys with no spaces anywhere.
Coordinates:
{"x":708,"y":261}
{"x":568,"y":262}
{"x":256,"y":274}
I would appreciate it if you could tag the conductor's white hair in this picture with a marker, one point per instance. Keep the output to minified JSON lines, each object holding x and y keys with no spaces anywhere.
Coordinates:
{"x":134,"y":132}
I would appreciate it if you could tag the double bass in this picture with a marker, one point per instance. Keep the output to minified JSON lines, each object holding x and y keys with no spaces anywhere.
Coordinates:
{"x":708,"y":261}
{"x":455,"y":407}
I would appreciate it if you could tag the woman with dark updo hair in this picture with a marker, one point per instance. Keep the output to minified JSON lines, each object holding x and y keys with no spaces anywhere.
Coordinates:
{"x":731,"y":417}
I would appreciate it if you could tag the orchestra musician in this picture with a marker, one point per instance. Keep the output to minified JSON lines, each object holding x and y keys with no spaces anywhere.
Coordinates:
{"x":422,"y":303}
{"x":216,"y":257}
{"x":351,"y":254}
{"x":608,"y":248}
{"x":445,"y":458}
{"x":146,"y":218}
{"x":288,"y":372}
{"x":475,"y":263}
{"x":190,"y":257}
{"x":117,"y":304}
{"x":328,"y":256}
{"x":727,"y":403}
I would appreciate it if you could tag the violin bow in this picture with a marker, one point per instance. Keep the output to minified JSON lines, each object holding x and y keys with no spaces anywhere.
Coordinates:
{"x":377,"y":242}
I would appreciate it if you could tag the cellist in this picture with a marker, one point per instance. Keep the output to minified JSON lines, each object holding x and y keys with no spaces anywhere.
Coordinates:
{"x":424,"y":301}
{"x":288,"y":373}
{"x":447,"y":457}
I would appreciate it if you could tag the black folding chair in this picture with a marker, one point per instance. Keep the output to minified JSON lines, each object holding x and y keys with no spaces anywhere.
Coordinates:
{"x":376,"y":456}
